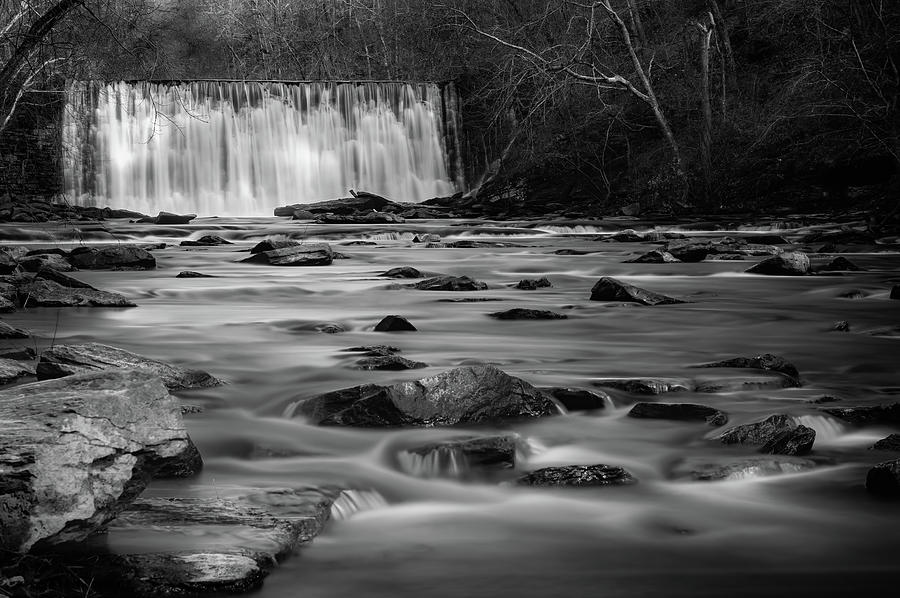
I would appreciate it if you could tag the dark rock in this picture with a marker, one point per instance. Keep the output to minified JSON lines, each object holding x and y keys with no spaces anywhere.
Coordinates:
{"x":884,"y":479}
{"x":59,"y":278}
{"x":301,"y":255}
{"x":302,"y":215}
{"x":206,"y":241}
{"x":330,"y":328}
{"x":74,"y":452}
{"x":610,"y":289}
{"x":465,"y":395}
{"x":758,"y":433}
{"x":389,"y":362}
{"x":890,"y":443}
{"x":425,"y":238}
{"x":789,"y":263}
{"x":736,"y":383}
{"x":840,"y":264}
{"x":572,"y":252}
{"x":361,"y":218}
{"x":742,"y":469}
{"x":627,"y":236}
{"x":449,"y":283}
{"x":895,"y":291}
{"x":373,"y":350}
{"x":798,"y":441}
{"x":471,"y":244}
{"x":48,"y":293}
{"x":769,"y":240}
{"x":12,"y":369}
{"x":36,"y":263}
{"x":842,"y":326}
{"x":824,"y":399}
{"x":520,"y":313}
{"x":644,"y":386}
{"x":394,"y":324}
{"x":7,"y":331}
{"x":362,"y":202}
{"x":272,"y":244}
{"x":66,"y":360}
{"x":766,"y":361}
{"x":577,"y":399}
{"x":867,"y":415}
{"x":192,"y":274}
{"x":403,"y":272}
{"x":688,"y":251}
{"x":19,"y":353}
{"x":531,"y":284}
{"x":679,"y":411}
{"x":8,"y":263}
{"x":458,"y":456}
{"x":655,"y":257}
{"x":109,"y":257}
{"x":578,"y":476}
{"x":6,"y":305}
{"x":170,"y":218}
{"x":853,"y":294}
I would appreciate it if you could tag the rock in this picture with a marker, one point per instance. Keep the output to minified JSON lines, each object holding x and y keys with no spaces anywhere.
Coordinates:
{"x":895,"y":291}
{"x":363,"y":201}
{"x":449,"y":283}
{"x":403,"y":272}
{"x":610,"y":289}
{"x":192,"y":274}
{"x":425,"y":237}
{"x":389,"y":362}
{"x":302,"y":215}
{"x":36,"y":263}
{"x":758,"y":433}
{"x":272,"y":244}
{"x":769,"y":240}
{"x":572,"y":252}
{"x":884,"y":479}
{"x":842,"y":326}
{"x":12,"y":369}
{"x":206,"y":241}
{"x":48,"y":293}
{"x":7,"y":331}
{"x":840,"y":264}
{"x":789,"y":263}
{"x":6,"y":305}
{"x":56,"y":276}
{"x":8,"y":263}
{"x":577,"y":399}
{"x":394,"y":324}
{"x":472,"y":244}
{"x":373,"y":350}
{"x":654,"y":257}
{"x":66,"y":360}
{"x":18,"y":353}
{"x":735,"y":383}
{"x":578,"y":476}
{"x":330,"y":328}
{"x":531,"y":284}
{"x":679,"y":411}
{"x":754,"y":467}
{"x":319,"y":254}
{"x":797,"y":441}
{"x":112,"y":257}
{"x":632,"y":209}
{"x":170,"y":218}
{"x":457,"y":456}
{"x":627,"y":236}
{"x":644,"y":386}
{"x":361,"y":218}
{"x":520,"y":313}
{"x":74,"y":452}
{"x":688,"y":251}
{"x":890,"y":443}
{"x":465,"y":395}
{"x":867,"y":415}
{"x":767,"y":362}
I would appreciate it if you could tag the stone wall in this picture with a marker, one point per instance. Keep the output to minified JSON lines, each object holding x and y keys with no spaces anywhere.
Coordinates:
{"x":30,"y":148}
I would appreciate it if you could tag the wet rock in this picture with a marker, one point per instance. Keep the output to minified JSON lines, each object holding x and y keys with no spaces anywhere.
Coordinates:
{"x":610,"y":289}
{"x":18,"y":353}
{"x":758,"y":433}
{"x":465,"y":395}
{"x":272,"y":244}
{"x":66,"y":360}
{"x":48,"y":293}
{"x":459,"y":455}
{"x":170,"y":218}
{"x":754,"y":467}
{"x":531,"y":284}
{"x":38,"y":262}
{"x":302,"y":215}
{"x":6,"y":305}
{"x":373,"y":350}
{"x":405,"y":272}
{"x":520,"y":313}
{"x":842,"y":326}
{"x":578,"y":476}
{"x":679,"y":411}
{"x":449,"y":283}
{"x":572,"y":252}
{"x":769,"y":240}
{"x":840,"y":264}
{"x":890,"y":443}
{"x":330,"y":328}
{"x":627,"y":236}
{"x":789,"y":263}
{"x":884,"y":479}
{"x":7,"y":331}
{"x":8,"y":263}
{"x":389,"y":362}
{"x":469,"y":299}
{"x":853,"y":294}
{"x":12,"y":369}
{"x":470,"y":244}
{"x":644,"y":386}
{"x":737,"y":383}
{"x":426,"y":237}
{"x":112,"y":257}
{"x":302,"y":255}
{"x":655,"y":257}
{"x":206,"y":241}
{"x":192,"y":274}
{"x":361,"y":218}
{"x":362,"y":202}
{"x":394,"y":324}
{"x":798,"y":441}
{"x":895,"y":292}
{"x":868,"y":415}
{"x":767,"y":362}
{"x":74,"y":452}
{"x":577,"y":399}
{"x":688,"y":251}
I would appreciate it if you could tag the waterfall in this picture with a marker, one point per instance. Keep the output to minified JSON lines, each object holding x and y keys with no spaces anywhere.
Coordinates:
{"x":243,"y":148}
{"x":350,"y":502}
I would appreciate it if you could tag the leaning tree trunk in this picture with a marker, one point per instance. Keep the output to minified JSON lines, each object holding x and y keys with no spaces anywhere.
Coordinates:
{"x":706,"y":31}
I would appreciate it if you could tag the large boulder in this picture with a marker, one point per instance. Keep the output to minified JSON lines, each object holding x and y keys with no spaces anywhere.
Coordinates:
{"x":75,"y":452}
{"x":766,"y":361}
{"x":789,"y":263}
{"x":316,"y":254}
{"x":449,"y":283}
{"x":578,"y":476}
{"x":112,"y":257}
{"x":465,"y":395}
{"x":798,"y":441}
{"x":884,"y":479}
{"x":679,"y":411}
{"x":48,"y":293}
{"x":888,"y":443}
{"x":758,"y":433}
{"x":361,"y":202}
{"x":66,"y":360}
{"x":610,"y":289}
{"x":206,"y":241}
{"x":578,"y":399}
{"x":170,"y":218}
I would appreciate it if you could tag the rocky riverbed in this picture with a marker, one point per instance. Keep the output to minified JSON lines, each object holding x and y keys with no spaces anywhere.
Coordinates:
{"x":454,"y":407}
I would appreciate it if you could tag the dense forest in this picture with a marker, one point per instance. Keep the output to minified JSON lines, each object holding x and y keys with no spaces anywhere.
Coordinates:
{"x":674,"y":104}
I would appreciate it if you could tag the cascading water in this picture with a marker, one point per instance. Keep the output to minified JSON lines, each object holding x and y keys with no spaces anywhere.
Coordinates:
{"x":243,"y":148}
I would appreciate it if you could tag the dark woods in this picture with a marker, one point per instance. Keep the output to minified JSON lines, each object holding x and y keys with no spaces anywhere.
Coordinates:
{"x":674,"y":104}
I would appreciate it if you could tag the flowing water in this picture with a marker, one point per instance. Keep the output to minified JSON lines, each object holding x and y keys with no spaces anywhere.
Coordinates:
{"x":416,"y":527}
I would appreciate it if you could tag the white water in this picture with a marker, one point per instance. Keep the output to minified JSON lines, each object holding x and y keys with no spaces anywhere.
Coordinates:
{"x":244,"y":148}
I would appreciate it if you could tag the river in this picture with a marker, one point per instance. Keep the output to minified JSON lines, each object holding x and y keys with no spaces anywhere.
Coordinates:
{"x":812,"y":533}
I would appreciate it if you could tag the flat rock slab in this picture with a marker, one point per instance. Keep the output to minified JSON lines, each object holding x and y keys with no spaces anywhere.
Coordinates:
{"x":610,"y":289}
{"x":766,"y":361}
{"x":206,"y":241}
{"x":319,"y":254}
{"x":112,"y":257}
{"x":578,"y":476}
{"x":645,"y":386}
{"x":12,"y":369}
{"x":465,"y":395}
{"x":47,"y":293}
{"x":449,"y":283}
{"x":742,"y":469}
{"x":74,"y":452}
{"x":520,"y":313}
{"x":867,"y":415}
{"x":7,"y":331}
{"x":680,"y":412}
{"x":736,"y":381}
{"x":66,"y":360}
{"x":388,"y":362}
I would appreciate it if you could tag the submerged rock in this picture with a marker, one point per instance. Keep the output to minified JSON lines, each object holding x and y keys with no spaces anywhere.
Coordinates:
{"x":465,"y":395}
{"x":170,"y":218}
{"x":578,"y":476}
{"x":66,"y":360}
{"x":531,"y":284}
{"x":404,"y":272}
{"x":644,"y":386}
{"x":867,"y":415}
{"x":458,"y":456}
{"x":789,"y":263}
{"x":300,"y":255}
{"x":679,"y":411}
{"x":74,"y":452}
{"x":577,"y":399}
{"x":520,"y":313}
{"x":610,"y":289}
{"x":373,"y":350}
{"x":192,"y":274}
{"x":389,"y":362}
{"x":112,"y":257}
{"x":884,"y":479}
{"x":394,"y":324}
{"x":13,"y":369}
{"x":895,"y":292}
{"x":449,"y":283}
{"x":742,"y":469}
{"x":655,"y":257}
{"x":889,"y":443}
{"x":767,"y":362}
{"x":206,"y":241}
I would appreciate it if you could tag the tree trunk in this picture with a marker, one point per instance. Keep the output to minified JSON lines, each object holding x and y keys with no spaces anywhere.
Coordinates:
{"x":725,"y":39}
{"x":706,"y":129}
{"x":638,"y":24}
